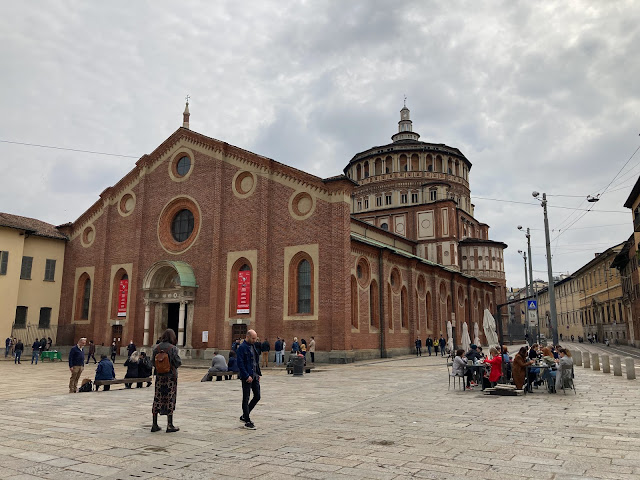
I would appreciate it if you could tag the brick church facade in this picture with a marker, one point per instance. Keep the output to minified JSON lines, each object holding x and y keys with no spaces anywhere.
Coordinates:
{"x":210,"y":239}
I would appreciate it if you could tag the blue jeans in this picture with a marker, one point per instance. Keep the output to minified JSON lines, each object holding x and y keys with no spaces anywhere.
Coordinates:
{"x":6,"y":351}
{"x":279,"y":358}
{"x":429,"y":348}
{"x":34,"y":355}
{"x":18,"y":355}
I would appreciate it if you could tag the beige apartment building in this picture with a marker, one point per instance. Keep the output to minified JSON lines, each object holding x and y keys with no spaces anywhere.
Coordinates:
{"x":31,"y":263}
{"x":567,"y":292}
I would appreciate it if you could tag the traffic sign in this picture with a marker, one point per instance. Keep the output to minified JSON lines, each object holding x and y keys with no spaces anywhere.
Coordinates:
{"x":533,"y":318}
{"x":532,"y":305}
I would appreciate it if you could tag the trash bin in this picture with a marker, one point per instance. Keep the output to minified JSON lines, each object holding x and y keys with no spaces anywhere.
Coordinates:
{"x":298,"y":364}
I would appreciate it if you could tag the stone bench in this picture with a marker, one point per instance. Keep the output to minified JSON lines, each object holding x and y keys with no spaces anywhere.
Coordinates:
{"x":306,"y":369}
{"x":117,"y":381}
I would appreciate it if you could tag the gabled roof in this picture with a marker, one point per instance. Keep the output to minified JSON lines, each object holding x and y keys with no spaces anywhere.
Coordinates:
{"x":635,"y":192}
{"x":31,"y":226}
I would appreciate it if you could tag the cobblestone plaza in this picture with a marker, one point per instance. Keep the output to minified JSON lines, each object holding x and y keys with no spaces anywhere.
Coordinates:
{"x":385,"y":419}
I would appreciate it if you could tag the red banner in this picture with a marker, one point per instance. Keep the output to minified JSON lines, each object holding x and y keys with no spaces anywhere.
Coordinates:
{"x":244,"y":292}
{"x":122,"y":297}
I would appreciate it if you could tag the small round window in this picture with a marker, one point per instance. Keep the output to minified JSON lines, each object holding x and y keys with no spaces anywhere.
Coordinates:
{"x":183,"y":166}
{"x":384,"y":226}
{"x":182,"y":225}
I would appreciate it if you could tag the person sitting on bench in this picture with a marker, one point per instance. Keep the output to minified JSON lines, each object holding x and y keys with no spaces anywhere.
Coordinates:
{"x":105,"y":371}
{"x":218,"y":364}
{"x":233,"y":365}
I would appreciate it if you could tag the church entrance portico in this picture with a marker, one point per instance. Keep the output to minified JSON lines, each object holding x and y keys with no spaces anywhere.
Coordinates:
{"x":169,"y":288}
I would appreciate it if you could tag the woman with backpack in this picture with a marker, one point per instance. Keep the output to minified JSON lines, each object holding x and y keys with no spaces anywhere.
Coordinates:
{"x":166,"y":361}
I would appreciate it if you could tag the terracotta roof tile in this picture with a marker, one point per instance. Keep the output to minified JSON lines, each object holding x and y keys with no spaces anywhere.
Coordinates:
{"x":30,"y":225}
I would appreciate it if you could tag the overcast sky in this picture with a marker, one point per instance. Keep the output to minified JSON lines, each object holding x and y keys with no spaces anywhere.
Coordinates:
{"x":538,"y":95}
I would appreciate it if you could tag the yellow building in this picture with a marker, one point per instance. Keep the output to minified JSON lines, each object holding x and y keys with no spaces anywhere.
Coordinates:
{"x":567,"y":292}
{"x":31,"y":264}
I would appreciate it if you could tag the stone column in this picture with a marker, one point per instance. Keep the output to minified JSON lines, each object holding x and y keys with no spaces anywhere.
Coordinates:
{"x":147,"y":310}
{"x":587,"y":361}
{"x":631,"y":368}
{"x":596,"y":362}
{"x":606,"y":365}
{"x":181,"y":324}
{"x":617,"y":367}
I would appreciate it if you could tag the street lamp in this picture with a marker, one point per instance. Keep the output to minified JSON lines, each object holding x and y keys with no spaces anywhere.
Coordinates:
{"x":552,"y":293}
{"x":528,"y":235}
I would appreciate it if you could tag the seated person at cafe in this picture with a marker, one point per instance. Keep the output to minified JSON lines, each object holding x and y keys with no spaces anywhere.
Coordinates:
{"x":533,"y":351}
{"x":496,"y":366}
{"x":520,"y":363}
{"x":473,"y":354}
{"x":547,"y":373}
{"x":481,"y":353}
{"x":506,"y":363}
{"x":459,"y":368}
{"x":565,"y":368}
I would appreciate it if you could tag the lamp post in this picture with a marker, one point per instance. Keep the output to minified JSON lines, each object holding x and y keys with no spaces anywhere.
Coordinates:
{"x":533,"y":289}
{"x":552,"y":293}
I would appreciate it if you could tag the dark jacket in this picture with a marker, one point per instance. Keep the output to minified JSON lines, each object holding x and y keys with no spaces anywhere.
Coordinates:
{"x":418,"y":343}
{"x":36,"y":345}
{"x":429,"y":342}
{"x":19,"y":347}
{"x":232,"y":365}
{"x":76,"y":357}
{"x":265,"y":346}
{"x":443,"y":342}
{"x":473,"y":355}
{"x":131,"y":348}
{"x":132,"y":369}
{"x":278,"y":346}
{"x":43,"y":344}
{"x":258,"y":347}
{"x":295,"y":347}
{"x":248,"y":361}
{"x":174,"y":358}
{"x":104,"y":370}
{"x":144,"y":367}
{"x":92,"y":348}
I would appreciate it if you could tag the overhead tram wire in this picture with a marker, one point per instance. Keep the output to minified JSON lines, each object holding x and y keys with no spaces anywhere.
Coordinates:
{"x":67,"y":149}
{"x":550,"y":206}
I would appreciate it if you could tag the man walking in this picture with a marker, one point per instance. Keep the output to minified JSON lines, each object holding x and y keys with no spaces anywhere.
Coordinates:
{"x":429,"y":343}
{"x":266,"y":347}
{"x":312,"y":349}
{"x":19,"y":348}
{"x":418,"y":347}
{"x":76,"y":364}
{"x":278,"y":348}
{"x":92,"y":352}
{"x":7,"y":347}
{"x":35,"y":353}
{"x":112,"y":351}
{"x":131,"y":348}
{"x":443,"y":344}
{"x":248,"y":365}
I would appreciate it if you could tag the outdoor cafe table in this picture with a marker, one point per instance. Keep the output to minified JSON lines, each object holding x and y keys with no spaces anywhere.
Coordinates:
{"x":51,"y":355}
{"x":541,"y":366}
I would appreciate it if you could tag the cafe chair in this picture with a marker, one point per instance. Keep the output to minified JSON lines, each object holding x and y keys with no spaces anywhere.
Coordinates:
{"x":458,"y":378}
{"x":566,"y":382}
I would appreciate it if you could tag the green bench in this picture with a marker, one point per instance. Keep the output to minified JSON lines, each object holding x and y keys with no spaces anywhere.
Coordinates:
{"x":51,"y":355}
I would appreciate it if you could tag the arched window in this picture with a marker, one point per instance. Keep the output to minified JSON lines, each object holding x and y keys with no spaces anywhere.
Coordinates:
{"x":390,"y":306}
{"x":404,"y":308}
{"x":427,"y":310}
{"x":83,"y":297}
{"x":301,"y":284}
{"x":119,"y":294}
{"x":374,"y":305}
{"x":241,"y":283}
{"x":304,"y":287}
{"x":354,"y":302}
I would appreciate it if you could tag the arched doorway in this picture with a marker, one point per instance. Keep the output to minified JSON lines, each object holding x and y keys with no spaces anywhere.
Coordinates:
{"x":170,"y":288}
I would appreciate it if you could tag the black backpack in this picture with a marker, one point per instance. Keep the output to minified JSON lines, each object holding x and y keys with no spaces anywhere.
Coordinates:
{"x":86,"y":386}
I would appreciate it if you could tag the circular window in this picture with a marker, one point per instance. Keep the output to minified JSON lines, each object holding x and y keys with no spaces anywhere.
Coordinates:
{"x":384,"y":226}
{"x":244,"y":184}
{"x":179,"y":224}
{"x":182,"y":225}
{"x":183,"y":166}
{"x":127,"y":204}
{"x":88,"y":236}
{"x":301,"y":205}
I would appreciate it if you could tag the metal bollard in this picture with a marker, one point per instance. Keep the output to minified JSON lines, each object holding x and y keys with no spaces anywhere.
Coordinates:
{"x":631,"y":368}
{"x":587,"y":360}
{"x":606,"y":365}
{"x":577,"y":357}
{"x":596,"y":362}
{"x":617,"y":367}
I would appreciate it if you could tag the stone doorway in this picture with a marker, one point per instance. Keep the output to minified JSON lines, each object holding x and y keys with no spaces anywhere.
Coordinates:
{"x":116,"y":336}
{"x":173,"y":318}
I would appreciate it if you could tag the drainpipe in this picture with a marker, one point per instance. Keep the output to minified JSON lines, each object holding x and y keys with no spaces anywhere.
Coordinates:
{"x":453,"y":307}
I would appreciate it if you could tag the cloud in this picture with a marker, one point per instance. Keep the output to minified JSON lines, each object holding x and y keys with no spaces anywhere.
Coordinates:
{"x":539,"y":96}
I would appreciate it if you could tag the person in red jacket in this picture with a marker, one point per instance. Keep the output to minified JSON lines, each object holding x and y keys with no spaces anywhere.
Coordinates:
{"x":496,"y":366}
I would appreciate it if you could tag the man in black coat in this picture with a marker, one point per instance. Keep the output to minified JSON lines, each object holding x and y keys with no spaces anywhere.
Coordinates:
{"x":443,"y":344}
{"x":131,"y":348}
{"x":429,"y":343}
